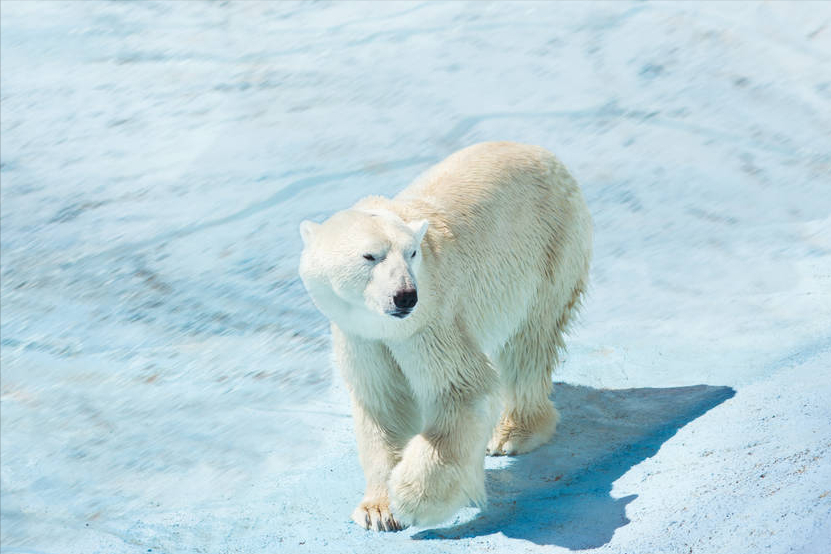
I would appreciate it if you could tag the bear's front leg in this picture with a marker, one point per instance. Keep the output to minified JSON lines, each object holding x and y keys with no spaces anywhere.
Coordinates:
{"x":385,"y":416}
{"x":442,"y":468}
{"x":379,"y":451}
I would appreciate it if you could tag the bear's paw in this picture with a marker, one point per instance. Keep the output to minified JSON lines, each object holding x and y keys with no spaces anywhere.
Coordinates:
{"x":375,"y":514}
{"x":514,"y":435}
{"x":426,"y":489}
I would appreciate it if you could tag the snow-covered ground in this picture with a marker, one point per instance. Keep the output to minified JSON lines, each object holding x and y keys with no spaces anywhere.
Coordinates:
{"x":167,"y":384}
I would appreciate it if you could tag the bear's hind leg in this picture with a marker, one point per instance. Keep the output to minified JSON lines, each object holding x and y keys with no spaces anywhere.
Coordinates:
{"x":529,"y":418}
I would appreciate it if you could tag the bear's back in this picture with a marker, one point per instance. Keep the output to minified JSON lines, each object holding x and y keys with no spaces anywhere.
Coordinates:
{"x":512,"y":219}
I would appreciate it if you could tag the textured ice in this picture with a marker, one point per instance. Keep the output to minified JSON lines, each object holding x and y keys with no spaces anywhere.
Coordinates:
{"x":167,"y":385}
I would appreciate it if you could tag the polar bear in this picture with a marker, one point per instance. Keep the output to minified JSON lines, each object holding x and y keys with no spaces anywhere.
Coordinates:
{"x":448,"y":305}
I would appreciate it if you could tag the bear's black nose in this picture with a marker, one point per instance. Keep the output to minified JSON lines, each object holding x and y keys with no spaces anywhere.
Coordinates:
{"x":405,"y":299}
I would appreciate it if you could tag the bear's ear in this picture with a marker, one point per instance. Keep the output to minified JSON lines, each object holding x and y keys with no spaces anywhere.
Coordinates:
{"x":307,"y":231}
{"x":419,"y":228}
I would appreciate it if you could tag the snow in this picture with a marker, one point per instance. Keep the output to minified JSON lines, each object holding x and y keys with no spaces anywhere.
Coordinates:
{"x":167,"y":385}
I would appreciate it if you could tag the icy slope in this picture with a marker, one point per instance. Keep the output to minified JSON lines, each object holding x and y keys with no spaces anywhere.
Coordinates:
{"x":166,"y":383}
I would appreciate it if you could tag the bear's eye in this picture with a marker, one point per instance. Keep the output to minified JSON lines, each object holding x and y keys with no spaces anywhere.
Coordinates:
{"x":369,"y":257}
{"x":413,"y":254}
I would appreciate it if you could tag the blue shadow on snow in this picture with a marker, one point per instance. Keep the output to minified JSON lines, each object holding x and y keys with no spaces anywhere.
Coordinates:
{"x":560,"y":494}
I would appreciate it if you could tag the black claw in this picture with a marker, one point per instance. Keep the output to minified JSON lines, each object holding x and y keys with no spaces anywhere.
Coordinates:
{"x":379,"y":523}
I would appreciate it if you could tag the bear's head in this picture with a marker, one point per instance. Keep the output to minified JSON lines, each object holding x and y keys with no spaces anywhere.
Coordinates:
{"x":361,"y":267}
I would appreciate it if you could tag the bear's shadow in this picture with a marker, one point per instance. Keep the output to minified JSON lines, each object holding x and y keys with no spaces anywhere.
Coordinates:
{"x":560,"y":494}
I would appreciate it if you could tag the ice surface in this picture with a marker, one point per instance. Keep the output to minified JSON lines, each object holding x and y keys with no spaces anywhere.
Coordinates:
{"x":167,"y":384}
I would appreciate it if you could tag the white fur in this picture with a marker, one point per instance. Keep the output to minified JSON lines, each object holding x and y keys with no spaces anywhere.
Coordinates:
{"x":502,"y":242}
